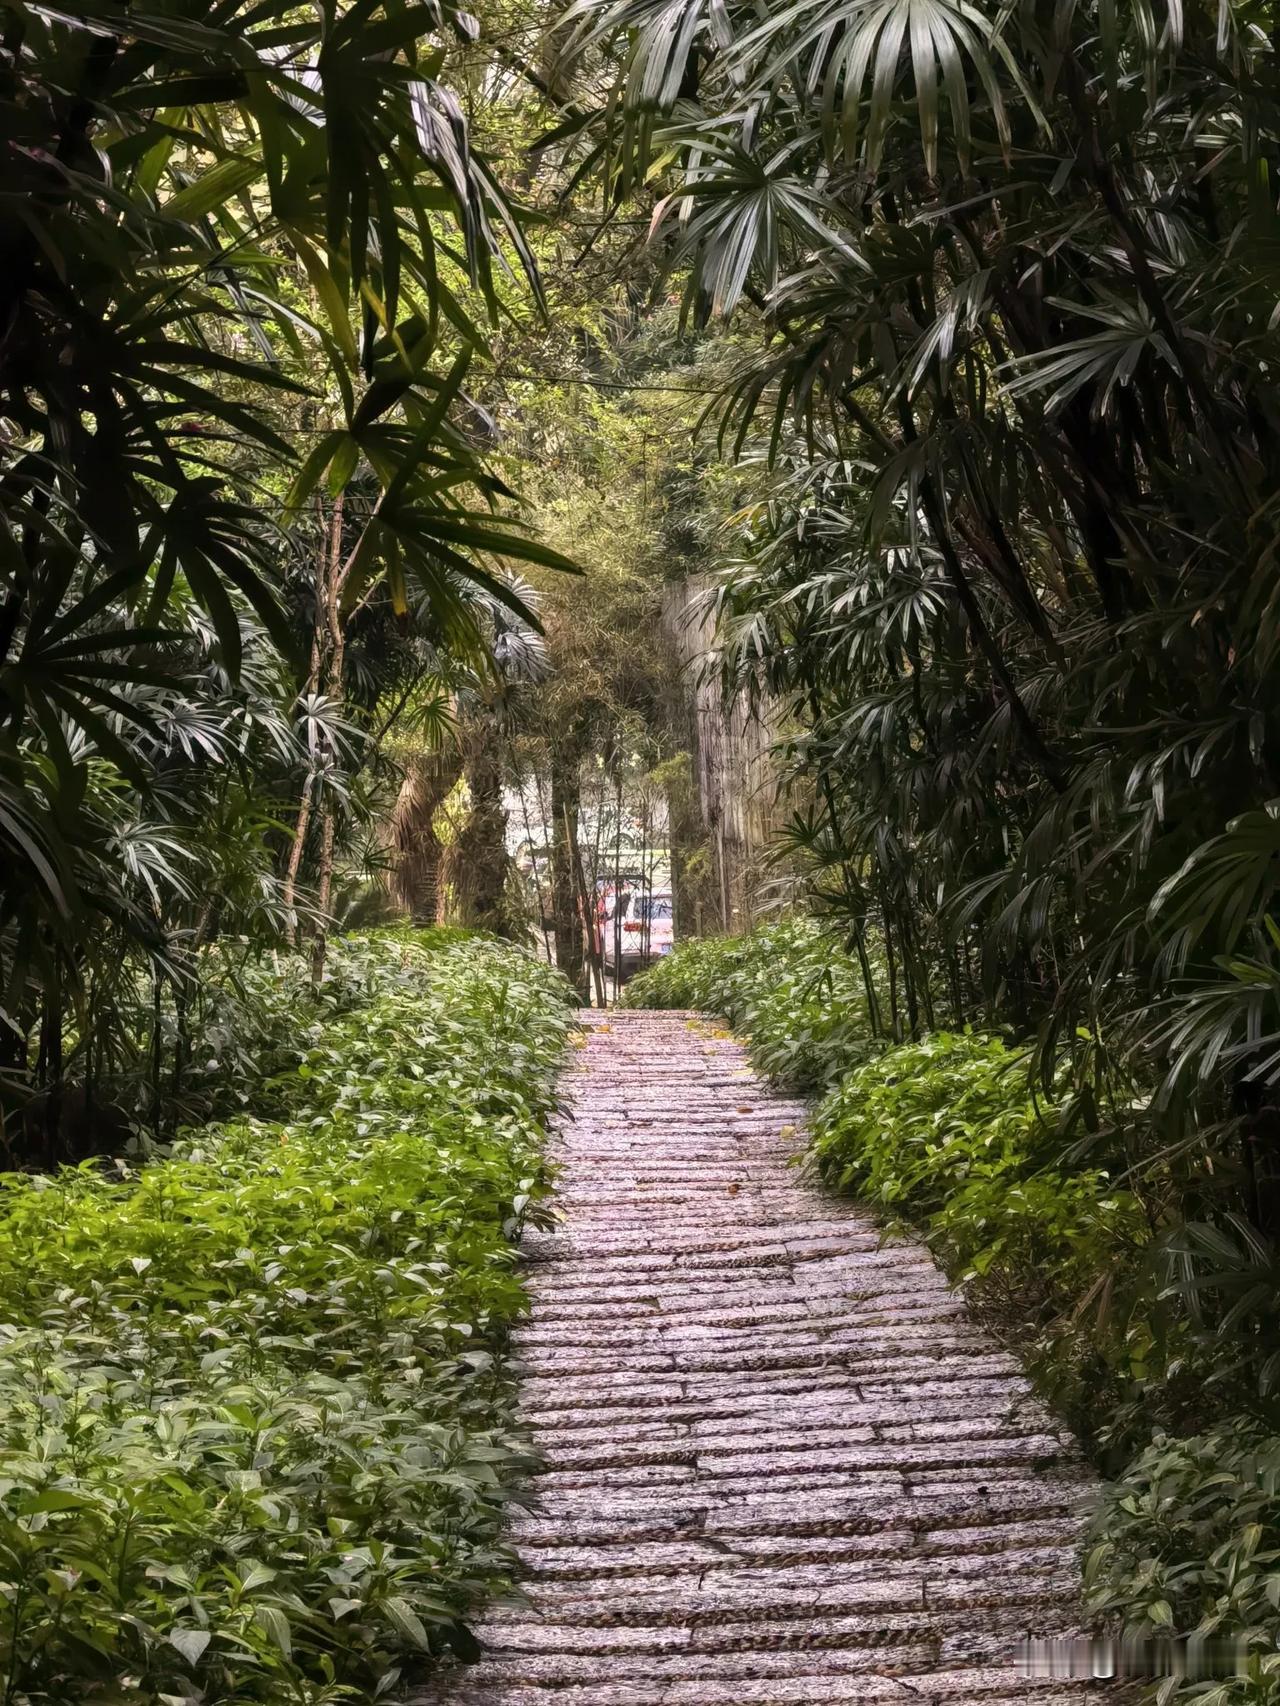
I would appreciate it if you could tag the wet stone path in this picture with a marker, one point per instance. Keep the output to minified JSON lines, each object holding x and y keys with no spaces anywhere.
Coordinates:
{"x":782,"y":1465}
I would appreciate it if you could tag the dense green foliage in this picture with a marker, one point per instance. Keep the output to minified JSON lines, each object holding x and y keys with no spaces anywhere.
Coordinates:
{"x":247,"y":256}
{"x":1006,"y":457}
{"x":1189,"y":1544}
{"x":254,"y":1433}
{"x":943,"y":1133}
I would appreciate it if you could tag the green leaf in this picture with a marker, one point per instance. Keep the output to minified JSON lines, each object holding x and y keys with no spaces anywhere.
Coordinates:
{"x":214,"y":187}
{"x":343,"y":466}
{"x":191,"y":1643}
{"x":331,"y":290}
{"x":275,"y":1625}
{"x":406,"y":1622}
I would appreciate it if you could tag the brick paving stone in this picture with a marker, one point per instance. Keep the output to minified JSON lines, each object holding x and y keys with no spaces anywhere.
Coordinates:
{"x":783,"y":1466}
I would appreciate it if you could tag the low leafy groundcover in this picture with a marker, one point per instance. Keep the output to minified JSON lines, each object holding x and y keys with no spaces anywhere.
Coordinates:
{"x":255,"y":1438}
{"x":1188,"y":1544}
{"x":942,"y":1134}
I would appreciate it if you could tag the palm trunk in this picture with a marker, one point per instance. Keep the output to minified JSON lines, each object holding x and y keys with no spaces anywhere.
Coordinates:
{"x":481,"y":855}
{"x":415,"y":880}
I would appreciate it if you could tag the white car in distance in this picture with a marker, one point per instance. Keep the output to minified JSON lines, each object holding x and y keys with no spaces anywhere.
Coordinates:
{"x":647,"y":932}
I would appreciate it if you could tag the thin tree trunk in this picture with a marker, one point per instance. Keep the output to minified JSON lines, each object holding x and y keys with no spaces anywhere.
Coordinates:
{"x":537,"y":880}
{"x":851,"y":884}
{"x":592,"y":899}
{"x":564,"y":829}
{"x":652,"y":874}
{"x":300,"y":828}
{"x":868,"y":982}
{"x":956,"y":988}
{"x":157,"y":1048}
{"x":49,"y":1063}
{"x":593,"y":947}
{"x":334,"y":581}
{"x":894,"y":1021}
{"x":324,"y":888}
{"x":310,"y":686}
{"x":617,"y":882}
{"x":182,"y":1007}
{"x":724,"y":879}
{"x":687,"y":835}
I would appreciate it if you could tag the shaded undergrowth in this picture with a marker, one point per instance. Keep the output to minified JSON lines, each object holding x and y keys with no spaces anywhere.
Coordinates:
{"x":255,"y":1434}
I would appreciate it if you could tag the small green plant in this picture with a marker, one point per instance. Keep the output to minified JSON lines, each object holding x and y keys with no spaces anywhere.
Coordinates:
{"x":1187,"y":1543}
{"x":255,"y":1437}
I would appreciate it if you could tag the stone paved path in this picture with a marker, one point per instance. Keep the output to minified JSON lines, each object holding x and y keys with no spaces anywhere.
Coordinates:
{"x":782,"y":1464}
